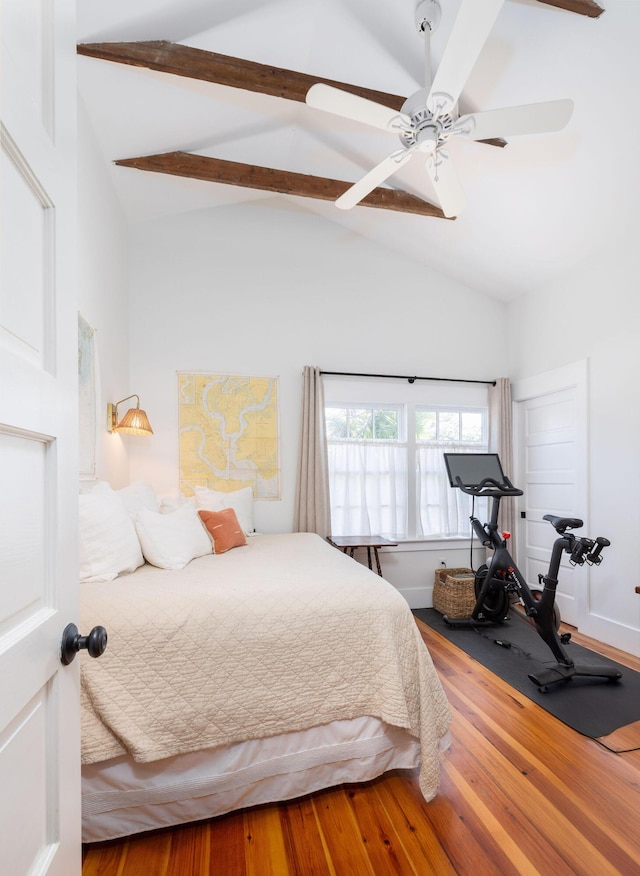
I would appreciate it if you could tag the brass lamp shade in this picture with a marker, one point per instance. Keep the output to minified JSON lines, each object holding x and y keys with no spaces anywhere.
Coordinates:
{"x":134,"y":422}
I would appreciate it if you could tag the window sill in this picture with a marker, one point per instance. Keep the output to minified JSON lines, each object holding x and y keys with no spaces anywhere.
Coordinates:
{"x":431,"y":544}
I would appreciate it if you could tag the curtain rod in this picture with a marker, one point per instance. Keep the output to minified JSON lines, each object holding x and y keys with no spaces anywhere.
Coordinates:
{"x":405,"y":377}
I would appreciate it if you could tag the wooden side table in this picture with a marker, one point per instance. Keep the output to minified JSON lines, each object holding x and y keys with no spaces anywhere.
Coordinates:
{"x":350,"y":543}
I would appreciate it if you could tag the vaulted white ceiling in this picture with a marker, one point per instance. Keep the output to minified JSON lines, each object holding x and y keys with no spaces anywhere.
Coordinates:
{"x":536,"y":208}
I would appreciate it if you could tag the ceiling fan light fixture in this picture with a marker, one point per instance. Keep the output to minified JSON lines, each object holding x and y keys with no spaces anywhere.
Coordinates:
{"x":427,"y":138}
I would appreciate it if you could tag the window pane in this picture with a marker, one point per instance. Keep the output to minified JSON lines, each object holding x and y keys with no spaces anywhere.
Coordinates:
{"x":371,"y":478}
{"x":336,"y":420}
{"x":449,"y":425}
{"x":361,"y":423}
{"x":426,"y":426}
{"x":471,"y":426}
{"x":386,"y":424}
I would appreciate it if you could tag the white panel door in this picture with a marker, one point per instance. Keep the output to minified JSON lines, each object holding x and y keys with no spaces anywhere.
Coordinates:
{"x":39,"y":711}
{"x":552,"y":470}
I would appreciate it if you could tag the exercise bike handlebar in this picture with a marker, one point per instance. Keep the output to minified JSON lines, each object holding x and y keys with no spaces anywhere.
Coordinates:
{"x":490,"y":487}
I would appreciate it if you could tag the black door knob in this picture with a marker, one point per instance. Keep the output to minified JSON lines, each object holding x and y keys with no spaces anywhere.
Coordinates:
{"x":95,"y":643}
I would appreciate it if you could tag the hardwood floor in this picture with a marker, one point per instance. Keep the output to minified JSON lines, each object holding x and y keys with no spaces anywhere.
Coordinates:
{"x":521,"y":793}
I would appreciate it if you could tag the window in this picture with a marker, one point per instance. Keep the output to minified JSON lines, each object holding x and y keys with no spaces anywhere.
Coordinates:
{"x":386,"y":465}
{"x":442,"y":510}
{"x":367,"y":468}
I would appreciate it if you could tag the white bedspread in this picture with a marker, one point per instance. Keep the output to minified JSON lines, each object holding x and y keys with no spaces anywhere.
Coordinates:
{"x":283,"y":634}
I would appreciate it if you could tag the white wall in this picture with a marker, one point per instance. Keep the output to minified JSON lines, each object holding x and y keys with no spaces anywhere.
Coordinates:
{"x":264,"y":290}
{"x":103,"y":286}
{"x":594,"y":314}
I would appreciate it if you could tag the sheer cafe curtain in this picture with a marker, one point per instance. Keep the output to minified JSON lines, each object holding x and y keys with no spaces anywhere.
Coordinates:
{"x":368,"y":487}
{"x":311,"y":511}
{"x":443,"y":510}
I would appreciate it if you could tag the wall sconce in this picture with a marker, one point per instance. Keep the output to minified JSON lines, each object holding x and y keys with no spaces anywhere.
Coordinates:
{"x":134,"y":422}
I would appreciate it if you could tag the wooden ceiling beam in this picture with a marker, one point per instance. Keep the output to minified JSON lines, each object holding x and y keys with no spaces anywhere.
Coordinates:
{"x":583,"y":7}
{"x":224,"y":70}
{"x":268,"y":179}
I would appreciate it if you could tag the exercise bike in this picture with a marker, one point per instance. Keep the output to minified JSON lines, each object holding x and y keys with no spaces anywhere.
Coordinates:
{"x":500,"y":582}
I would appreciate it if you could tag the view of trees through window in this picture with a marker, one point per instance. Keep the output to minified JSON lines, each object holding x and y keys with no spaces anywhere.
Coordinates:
{"x":363,"y":423}
{"x":360,"y":423}
{"x":458,"y":426}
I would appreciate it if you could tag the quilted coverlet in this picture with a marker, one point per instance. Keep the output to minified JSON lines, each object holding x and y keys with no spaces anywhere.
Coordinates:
{"x":282,"y":634}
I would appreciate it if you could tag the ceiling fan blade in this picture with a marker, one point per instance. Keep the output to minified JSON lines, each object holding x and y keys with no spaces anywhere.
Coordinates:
{"x":468,"y":35}
{"x":355,"y":193}
{"x":531,"y":118}
{"x":447,"y":185}
{"x":350,"y":106}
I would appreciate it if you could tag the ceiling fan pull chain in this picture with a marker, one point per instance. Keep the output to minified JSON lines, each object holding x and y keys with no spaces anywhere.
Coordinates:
{"x":438,"y":158}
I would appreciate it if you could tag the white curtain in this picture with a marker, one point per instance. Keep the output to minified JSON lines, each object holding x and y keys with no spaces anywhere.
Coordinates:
{"x":368,"y":487}
{"x":443,"y":510}
{"x":501,"y":442}
{"x":311,"y":511}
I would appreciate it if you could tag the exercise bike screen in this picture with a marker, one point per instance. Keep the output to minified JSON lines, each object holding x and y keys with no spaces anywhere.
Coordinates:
{"x":473,"y":468}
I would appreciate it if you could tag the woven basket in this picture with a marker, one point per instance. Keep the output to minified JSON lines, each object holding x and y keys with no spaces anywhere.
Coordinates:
{"x":454,"y":592}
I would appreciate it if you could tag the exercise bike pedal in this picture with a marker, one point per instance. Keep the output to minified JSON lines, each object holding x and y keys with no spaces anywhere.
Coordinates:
{"x":565,"y":638}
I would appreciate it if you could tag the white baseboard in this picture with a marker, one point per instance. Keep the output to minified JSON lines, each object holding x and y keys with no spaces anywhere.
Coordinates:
{"x":612,"y":633}
{"x":417,"y":597}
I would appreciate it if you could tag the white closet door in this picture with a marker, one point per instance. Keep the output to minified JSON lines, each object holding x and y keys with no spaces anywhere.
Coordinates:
{"x":551,"y":467}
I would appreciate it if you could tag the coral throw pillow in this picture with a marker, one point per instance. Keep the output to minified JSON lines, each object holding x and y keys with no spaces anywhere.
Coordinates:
{"x":224,"y":529}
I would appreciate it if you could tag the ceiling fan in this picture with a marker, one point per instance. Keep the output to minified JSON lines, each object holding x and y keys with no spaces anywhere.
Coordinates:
{"x":429,"y":120}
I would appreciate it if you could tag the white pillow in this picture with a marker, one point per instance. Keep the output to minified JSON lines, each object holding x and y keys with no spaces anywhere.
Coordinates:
{"x":208,"y":500}
{"x":169,"y":504}
{"x":138,"y":495}
{"x":170,"y":541}
{"x":240,"y":500}
{"x":108,"y":541}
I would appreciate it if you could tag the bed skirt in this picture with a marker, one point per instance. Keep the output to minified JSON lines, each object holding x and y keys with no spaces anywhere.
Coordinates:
{"x":121,"y":797}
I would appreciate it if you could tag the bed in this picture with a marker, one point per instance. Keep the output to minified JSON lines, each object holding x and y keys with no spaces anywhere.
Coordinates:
{"x":261,"y":673}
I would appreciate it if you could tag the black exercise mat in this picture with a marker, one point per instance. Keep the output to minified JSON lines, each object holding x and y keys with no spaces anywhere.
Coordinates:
{"x":592,"y":706}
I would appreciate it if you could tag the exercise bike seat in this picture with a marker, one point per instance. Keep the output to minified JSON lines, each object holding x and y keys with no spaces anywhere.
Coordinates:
{"x":561,"y":524}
